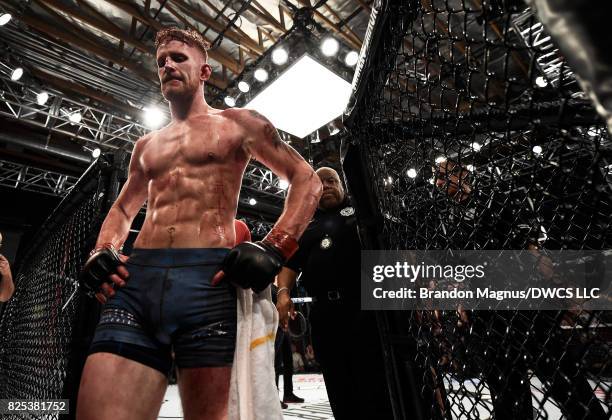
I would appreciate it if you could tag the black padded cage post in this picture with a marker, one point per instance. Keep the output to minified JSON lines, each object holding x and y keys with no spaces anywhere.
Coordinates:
{"x":48,"y":324}
{"x":468,"y":130}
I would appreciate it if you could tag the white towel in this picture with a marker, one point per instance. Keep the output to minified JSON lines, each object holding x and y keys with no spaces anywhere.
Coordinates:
{"x":253,"y":393}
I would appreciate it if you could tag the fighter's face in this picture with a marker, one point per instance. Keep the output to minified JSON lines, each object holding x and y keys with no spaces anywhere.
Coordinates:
{"x":181,"y":69}
{"x":333,"y":193}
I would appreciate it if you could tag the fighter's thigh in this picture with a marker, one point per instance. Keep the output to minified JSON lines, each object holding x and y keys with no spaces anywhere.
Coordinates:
{"x":204,"y":392}
{"x":113,"y":387}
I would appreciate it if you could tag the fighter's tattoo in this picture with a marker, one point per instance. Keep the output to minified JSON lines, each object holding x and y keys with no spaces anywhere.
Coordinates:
{"x":272,"y":134}
{"x":258,"y":115}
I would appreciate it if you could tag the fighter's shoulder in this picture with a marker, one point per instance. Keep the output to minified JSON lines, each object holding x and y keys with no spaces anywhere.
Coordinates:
{"x":142,"y":141}
{"x":245,"y":117}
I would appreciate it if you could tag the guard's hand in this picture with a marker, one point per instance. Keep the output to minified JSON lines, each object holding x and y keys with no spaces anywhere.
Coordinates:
{"x":5,"y":268}
{"x":286,"y":310}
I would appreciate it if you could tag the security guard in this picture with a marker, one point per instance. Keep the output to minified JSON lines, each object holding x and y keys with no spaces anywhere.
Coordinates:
{"x":345,"y":339}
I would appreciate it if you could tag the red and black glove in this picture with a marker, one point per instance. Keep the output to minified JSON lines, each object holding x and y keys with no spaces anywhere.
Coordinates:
{"x":253,"y":265}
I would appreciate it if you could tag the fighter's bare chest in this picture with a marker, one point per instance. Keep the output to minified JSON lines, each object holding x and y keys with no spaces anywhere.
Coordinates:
{"x":191,"y":146}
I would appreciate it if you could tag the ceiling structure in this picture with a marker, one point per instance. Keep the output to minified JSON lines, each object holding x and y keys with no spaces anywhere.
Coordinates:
{"x":96,"y":61}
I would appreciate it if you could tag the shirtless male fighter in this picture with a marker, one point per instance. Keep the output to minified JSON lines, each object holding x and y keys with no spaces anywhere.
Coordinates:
{"x":176,"y":290}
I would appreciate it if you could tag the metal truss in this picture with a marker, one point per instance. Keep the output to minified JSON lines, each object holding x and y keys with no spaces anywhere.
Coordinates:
{"x":258,"y":228}
{"x":66,"y":116}
{"x":106,"y":131}
{"x":28,"y":178}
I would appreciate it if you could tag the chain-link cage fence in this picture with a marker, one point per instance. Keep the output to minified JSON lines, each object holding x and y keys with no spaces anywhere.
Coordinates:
{"x":44,"y":330}
{"x":473,"y":134}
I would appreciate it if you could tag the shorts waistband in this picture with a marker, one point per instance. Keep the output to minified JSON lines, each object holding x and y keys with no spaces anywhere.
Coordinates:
{"x":170,"y":257}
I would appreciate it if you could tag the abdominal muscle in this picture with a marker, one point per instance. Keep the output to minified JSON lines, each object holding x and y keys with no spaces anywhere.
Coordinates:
{"x":188,"y":212}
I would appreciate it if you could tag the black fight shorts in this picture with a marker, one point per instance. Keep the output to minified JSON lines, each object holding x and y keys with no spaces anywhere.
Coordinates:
{"x":168,"y":305}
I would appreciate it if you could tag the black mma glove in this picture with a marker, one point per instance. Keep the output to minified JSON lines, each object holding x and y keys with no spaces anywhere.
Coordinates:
{"x":253,"y":265}
{"x":101,"y":263}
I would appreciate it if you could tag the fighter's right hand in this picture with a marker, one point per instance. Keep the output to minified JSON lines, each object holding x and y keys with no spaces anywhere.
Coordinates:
{"x":286,"y":310}
{"x":104,"y":269}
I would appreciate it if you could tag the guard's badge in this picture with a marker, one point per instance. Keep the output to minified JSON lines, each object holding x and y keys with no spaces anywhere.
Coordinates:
{"x":326,"y":243}
{"x":347,"y":211}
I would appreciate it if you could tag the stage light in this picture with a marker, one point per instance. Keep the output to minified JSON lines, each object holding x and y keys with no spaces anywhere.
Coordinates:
{"x":440,"y":159}
{"x":470,"y":168}
{"x":229,"y":101}
{"x":541,"y":82}
{"x":244,"y":87}
{"x":280,"y":56}
{"x":285,"y":99}
{"x":476,"y":147}
{"x":537,"y":150}
{"x":283,"y":184}
{"x":412,"y":173}
{"x":389,"y":180}
{"x":351,"y":58}
{"x":96,"y":153}
{"x":153,"y":117}
{"x":252,"y":201}
{"x":329,"y":47}
{"x":16,"y":74}
{"x":261,"y":75}
{"x":42,"y":98}
{"x":432,"y":181}
{"x":5,"y":18}
{"x":333,"y":128}
{"x":75,"y":117}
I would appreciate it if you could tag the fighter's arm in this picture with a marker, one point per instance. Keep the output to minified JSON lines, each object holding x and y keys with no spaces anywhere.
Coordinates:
{"x":7,"y":287}
{"x":263,"y":142}
{"x":116,"y":226}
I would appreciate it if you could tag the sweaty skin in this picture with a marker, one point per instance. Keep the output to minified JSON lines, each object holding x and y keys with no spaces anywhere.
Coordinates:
{"x":190,"y":173}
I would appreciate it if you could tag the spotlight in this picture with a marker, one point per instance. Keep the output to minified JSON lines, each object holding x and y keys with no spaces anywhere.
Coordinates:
{"x":389,"y":180}
{"x":252,"y":201}
{"x":316,"y":138}
{"x":537,"y":150}
{"x":5,"y":18}
{"x":412,"y":173}
{"x":75,"y":117}
{"x":244,"y":87}
{"x":16,"y":74}
{"x":592,"y":131}
{"x":432,"y":181}
{"x":440,"y":159}
{"x":229,"y":101}
{"x":280,"y":56}
{"x":470,"y":168}
{"x":283,"y":184}
{"x":42,"y":98}
{"x":541,"y":82}
{"x":333,"y":128}
{"x":261,"y":75}
{"x":476,"y":147}
{"x":351,"y":58}
{"x":95,"y":153}
{"x":329,"y":47}
{"x":153,"y":117}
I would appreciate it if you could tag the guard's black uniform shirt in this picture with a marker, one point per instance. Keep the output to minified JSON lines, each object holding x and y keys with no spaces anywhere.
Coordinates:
{"x":329,"y":256}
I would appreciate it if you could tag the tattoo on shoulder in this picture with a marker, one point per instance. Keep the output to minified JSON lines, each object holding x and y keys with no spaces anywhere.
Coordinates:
{"x":257,"y":115}
{"x":272,"y":134}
